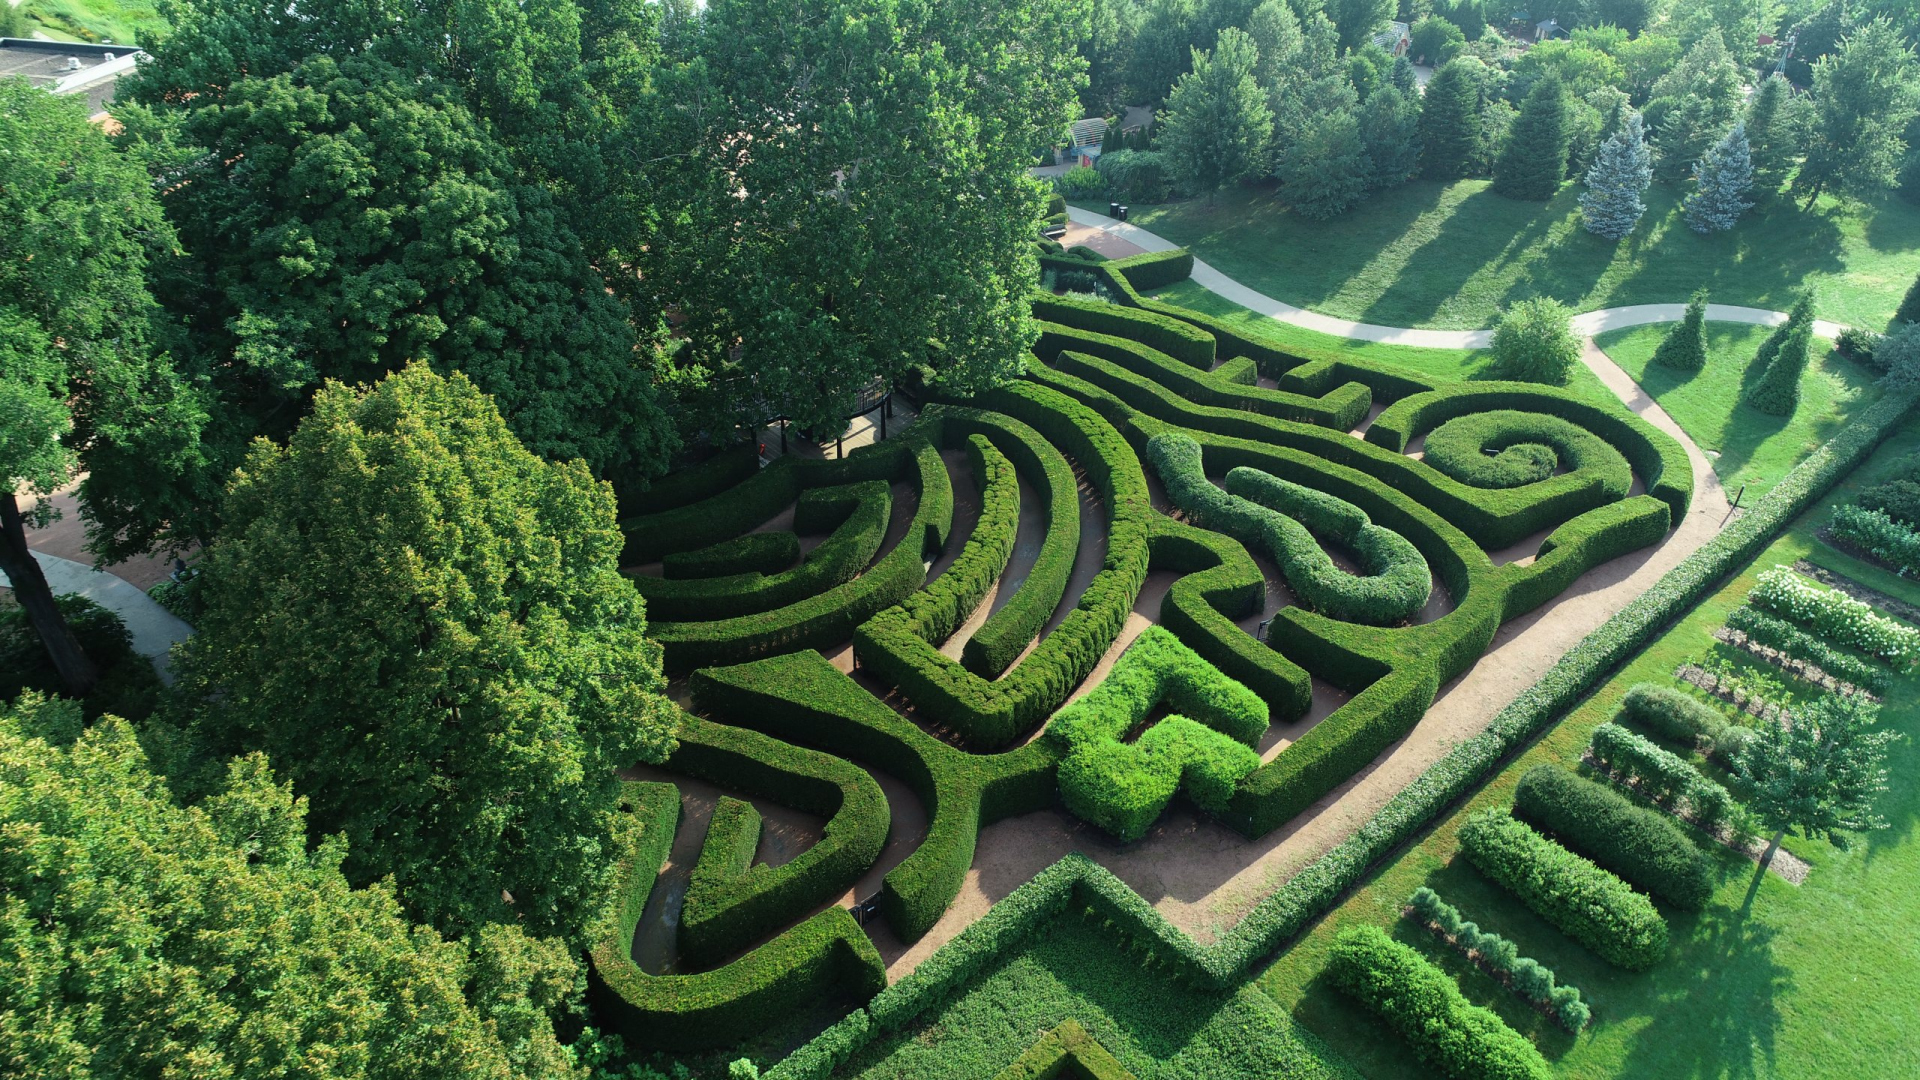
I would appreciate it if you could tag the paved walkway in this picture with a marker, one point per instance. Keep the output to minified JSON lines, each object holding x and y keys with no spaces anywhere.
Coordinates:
{"x":1586,"y":325}
{"x":155,"y":629}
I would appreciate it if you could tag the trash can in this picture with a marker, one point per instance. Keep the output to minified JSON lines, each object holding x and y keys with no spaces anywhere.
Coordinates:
{"x":1122,"y":214}
{"x":1113,"y":209}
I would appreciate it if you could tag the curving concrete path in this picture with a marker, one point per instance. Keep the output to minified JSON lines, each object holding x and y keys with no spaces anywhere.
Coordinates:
{"x":155,"y":630}
{"x":1586,"y":324}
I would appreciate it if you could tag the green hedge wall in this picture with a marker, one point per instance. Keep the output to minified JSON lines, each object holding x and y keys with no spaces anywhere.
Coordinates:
{"x":1067,"y":1052}
{"x":825,"y":957}
{"x":1525,"y":449}
{"x":1424,"y":1005}
{"x":725,"y":469}
{"x":1182,"y":341}
{"x":1587,"y":903}
{"x":1218,"y":583}
{"x":1647,"y":848}
{"x":759,"y":553}
{"x":720,"y":516}
{"x":730,"y":902}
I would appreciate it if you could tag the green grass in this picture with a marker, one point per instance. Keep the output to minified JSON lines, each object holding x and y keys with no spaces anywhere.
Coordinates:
{"x":1451,"y":365}
{"x":94,"y":20}
{"x":1810,"y":983}
{"x":1754,"y":448}
{"x":1453,"y":255}
{"x":1158,"y":1028}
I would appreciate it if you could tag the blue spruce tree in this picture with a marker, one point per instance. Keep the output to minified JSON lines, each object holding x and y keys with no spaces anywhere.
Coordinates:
{"x":1612,"y":204}
{"x":1721,"y":180}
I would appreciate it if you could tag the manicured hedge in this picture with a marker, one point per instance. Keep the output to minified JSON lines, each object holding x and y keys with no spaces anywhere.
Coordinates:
{"x":1154,"y":270}
{"x":1524,"y":975}
{"x":716,"y":474}
{"x":1422,"y":1003}
{"x":1671,"y":713}
{"x":1660,"y":774}
{"x":1836,"y":616}
{"x":760,"y":553}
{"x":1526,"y":447}
{"x":802,"y":698}
{"x":741,"y":508}
{"x":825,"y":957}
{"x":995,"y":713}
{"x":1218,"y":583}
{"x":1184,"y":342}
{"x":1000,"y":640}
{"x":1644,"y":846}
{"x":730,"y":902}
{"x":1778,"y":633}
{"x":1277,"y":516}
{"x":1067,"y":1052}
{"x":1587,"y":903}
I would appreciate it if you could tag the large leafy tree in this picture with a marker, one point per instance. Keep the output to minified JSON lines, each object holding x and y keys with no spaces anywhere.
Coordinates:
{"x":1819,"y":774}
{"x":80,"y":384}
{"x":1863,"y":97}
{"x":1534,"y":160}
{"x":148,"y":939}
{"x":1217,"y":124}
{"x":1108,"y":51}
{"x":1326,"y":170}
{"x":1358,"y":20}
{"x":424,"y":627}
{"x":1451,"y":118}
{"x":850,"y":192}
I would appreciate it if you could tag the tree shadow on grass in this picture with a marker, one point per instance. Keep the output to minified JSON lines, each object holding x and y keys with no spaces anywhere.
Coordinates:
{"x":1484,"y":230}
{"x":1762,"y":262}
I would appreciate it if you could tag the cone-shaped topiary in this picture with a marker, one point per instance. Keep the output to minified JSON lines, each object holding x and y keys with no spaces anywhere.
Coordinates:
{"x":1685,"y":347}
{"x":1778,"y":391}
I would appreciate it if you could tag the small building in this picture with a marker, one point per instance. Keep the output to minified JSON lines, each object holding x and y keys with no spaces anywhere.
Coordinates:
{"x":1087,"y":135}
{"x":1548,"y":30}
{"x":69,"y":67}
{"x":1395,"y":38}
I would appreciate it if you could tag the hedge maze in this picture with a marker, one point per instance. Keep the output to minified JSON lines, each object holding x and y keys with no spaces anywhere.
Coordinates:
{"x":1208,"y":458}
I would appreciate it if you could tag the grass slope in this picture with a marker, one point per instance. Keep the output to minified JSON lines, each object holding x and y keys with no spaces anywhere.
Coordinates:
{"x":1809,"y":983}
{"x":1452,"y":255}
{"x":94,"y":20}
{"x":1754,"y":448}
{"x":1158,"y":1028}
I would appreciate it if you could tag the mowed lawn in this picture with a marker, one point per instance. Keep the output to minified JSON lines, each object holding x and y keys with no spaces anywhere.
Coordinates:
{"x":1753,"y":448}
{"x":1452,"y":256}
{"x":120,"y":21}
{"x":1816,"y":982}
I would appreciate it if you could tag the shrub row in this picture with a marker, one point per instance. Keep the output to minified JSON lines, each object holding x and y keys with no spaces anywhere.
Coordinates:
{"x":862,"y":511}
{"x":1422,"y":1003}
{"x":994,"y":713}
{"x":1526,"y":449}
{"x":725,"y":514}
{"x":803,"y":698}
{"x":1780,"y":634}
{"x":1671,"y":713}
{"x":1000,"y":640}
{"x":1836,"y":616}
{"x":1154,"y":270}
{"x":759,"y":553}
{"x":1643,"y":846}
{"x":1523,"y":975}
{"x":730,"y":902}
{"x":1277,"y":516}
{"x":704,"y":480}
{"x":1660,"y":774}
{"x":1182,"y":341}
{"x":1890,"y":541}
{"x":825,"y":957}
{"x":1586,"y":903}
{"x":1067,"y":1051}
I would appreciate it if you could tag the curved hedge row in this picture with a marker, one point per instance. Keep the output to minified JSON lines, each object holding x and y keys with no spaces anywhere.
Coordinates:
{"x":1182,"y":341}
{"x":1586,"y":903}
{"x":759,"y":553}
{"x":1780,"y":634}
{"x":861,"y":510}
{"x":720,"y":516}
{"x":1280,"y":518}
{"x":716,"y":474}
{"x":803,"y":698}
{"x":1643,"y":846}
{"x":731,"y":902}
{"x":1525,"y":448}
{"x":1423,"y":1004}
{"x":994,"y":713}
{"x":826,"y":956}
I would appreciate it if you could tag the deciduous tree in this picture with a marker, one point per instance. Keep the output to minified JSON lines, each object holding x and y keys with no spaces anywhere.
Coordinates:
{"x":1534,"y":342}
{"x":1863,"y":97}
{"x":1819,"y":773}
{"x":1217,"y":124}
{"x":424,"y":627}
{"x":1326,"y":170}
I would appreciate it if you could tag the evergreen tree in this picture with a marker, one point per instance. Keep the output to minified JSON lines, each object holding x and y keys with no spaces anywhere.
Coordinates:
{"x":1721,"y":179}
{"x":1617,"y":183}
{"x":1534,"y":161}
{"x":1692,"y":106}
{"x":1450,"y":118}
{"x":1358,"y":20}
{"x":1685,"y":346}
{"x":1217,"y":123}
{"x":1776,"y":132}
{"x":1863,"y":98}
{"x":1311,"y":81}
{"x":1390,"y":131}
{"x":1782,"y":360}
{"x":1326,"y":170}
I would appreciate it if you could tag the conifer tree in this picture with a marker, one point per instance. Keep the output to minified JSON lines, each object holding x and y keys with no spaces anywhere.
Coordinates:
{"x":1691,"y":103}
{"x":1390,"y":131}
{"x":1613,"y":202}
{"x":1685,"y":346}
{"x":1534,"y":160}
{"x":1776,"y":132}
{"x":1450,"y":118}
{"x":1781,"y":361}
{"x":1721,"y":178}
{"x":1326,"y":170}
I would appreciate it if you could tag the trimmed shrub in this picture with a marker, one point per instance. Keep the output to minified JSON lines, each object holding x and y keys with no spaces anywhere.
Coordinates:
{"x":1643,"y":846}
{"x":1506,"y":448}
{"x":1079,"y":182}
{"x":1660,"y":774}
{"x":1585,"y":902}
{"x":1067,"y":1052}
{"x":1780,"y":634}
{"x":1422,"y":1003}
{"x":1154,"y":270}
{"x":1218,"y":583}
{"x":1533,"y":342}
{"x":825,"y":957}
{"x":1525,"y":976}
{"x":1685,"y":346}
{"x":1836,"y":616}
{"x":1280,"y":518}
{"x":758,"y":553}
{"x":1890,"y":541}
{"x":1182,"y":341}
{"x":1671,"y":713}
{"x":1781,"y":361}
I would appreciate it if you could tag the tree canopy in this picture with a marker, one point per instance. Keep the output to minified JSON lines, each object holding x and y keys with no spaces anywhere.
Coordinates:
{"x":423,"y":627}
{"x":1819,"y":775}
